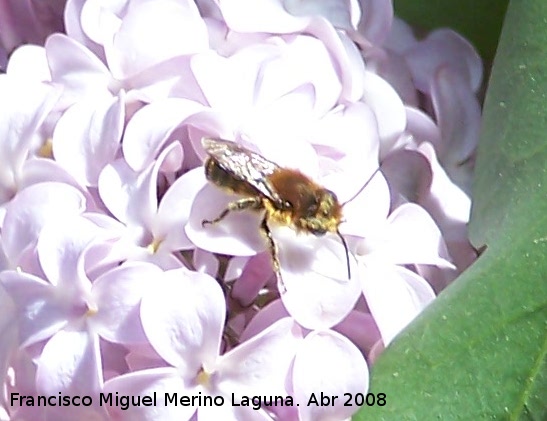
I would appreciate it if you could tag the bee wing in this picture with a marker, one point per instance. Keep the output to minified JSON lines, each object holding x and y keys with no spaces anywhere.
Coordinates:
{"x":244,"y":164}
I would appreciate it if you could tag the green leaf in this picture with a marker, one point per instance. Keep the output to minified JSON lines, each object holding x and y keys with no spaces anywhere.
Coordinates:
{"x":478,"y":20}
{"x":480,"y":350}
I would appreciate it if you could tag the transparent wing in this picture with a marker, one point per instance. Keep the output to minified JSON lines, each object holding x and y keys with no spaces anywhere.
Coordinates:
{"x":243,"y":164}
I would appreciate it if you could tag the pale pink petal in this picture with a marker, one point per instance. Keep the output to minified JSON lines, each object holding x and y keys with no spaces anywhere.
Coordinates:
{"x":273,"y":140}
{"x":408,"y":174}
{"x":422,"y":127}
{"x":100,"y":20}
{"x":117,"y":295}
{"x":340,"y":13}
{"x":139,"y":190}
{"x":393,"y":67}
{"x":229,"y":84}
{"x":174,"y":210}
{"x":388,"y":108}
{"x":360,"y":328}
{"x":410,"y":236}
{"x":29,"y":62}
{"x":315,"y":288}
{"x":345,"y":373}
{"x":260,"y":365}
{"x":254,"y":277}
{"x":458,"y":115}
{"x":151,"y":127}
{"x":70,"y":363}
{"x":183,"y":319}
{"x":78,"y":70}
{"x":227,"y":412}
{"x":394,"y":295}
{"x":346,"y":142}
{"x":40,"y":311}
{"x":74,"y":23}
{"x":152,"y":32}
{"x":401,"y":36}
{"x":128,"y":194}
{"x":264,"y":318}
{"x":31,"y":209}
{"x":350,"y":64}
{"x":238,"y":234}
{"x":143,"y":356}
{"x":39,"y":170}
{"x":24,"y":108}
{"x":446,"y":202}
{"x":302,"y":60}
{"x":171,"y":78}
{"x":440,"y":48}
{"x":158,"y":381}
{"x":205,"y":262}
{"x":87,"y":137}
{"x":376,"y":19}
{"x":61,"y":245}
{"x":364,"y":213}
{"x":260,"y":16}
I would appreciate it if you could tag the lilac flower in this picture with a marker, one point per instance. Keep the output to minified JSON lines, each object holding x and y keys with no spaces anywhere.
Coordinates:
{"x":64,"y":308}
{"x":149,"y":229}
{"x":194,"y":309}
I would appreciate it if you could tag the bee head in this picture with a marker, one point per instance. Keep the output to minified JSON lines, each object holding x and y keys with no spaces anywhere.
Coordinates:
{"x":323,"y":213}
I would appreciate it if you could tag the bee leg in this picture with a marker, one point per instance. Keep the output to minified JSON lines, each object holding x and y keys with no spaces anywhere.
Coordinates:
{"x":238,"y":205}
{"x":272,"y":246}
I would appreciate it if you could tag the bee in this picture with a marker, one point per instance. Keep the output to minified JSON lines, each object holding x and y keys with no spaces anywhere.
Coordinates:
{"x":287,"y":196}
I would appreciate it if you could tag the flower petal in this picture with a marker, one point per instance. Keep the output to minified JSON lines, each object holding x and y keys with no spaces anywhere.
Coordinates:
{"x":388,"y":108}
{"x":41,"y":312}
{"x":266,"y":317}
{"x":174,"y":210}
{"x":87,"y":137}
{"x":260,"y":365}
{"x":60,"y":247}
{"x":315,"y":287}
{"x":444,"y":47}
{"x":30,"y":63}
{"x":395,"y":296}
{"x":31,"y":209}
{"x":260,"y":16}
{"x":238,"y":234}
{"x":117,"y":295}
{"x":152,"y":32}
{"x":77,"y":70}
{"x":150,"y":127}
{"x":346,"y":373}
{"x":376,"y":20}
{"x":183,"y":319}
{"x":157,"y":381}
{"x":70,"y":363}
{"x":410,"y":236}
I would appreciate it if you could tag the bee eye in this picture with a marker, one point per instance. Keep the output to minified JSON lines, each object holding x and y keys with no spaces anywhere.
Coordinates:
{"x":287,"y":205}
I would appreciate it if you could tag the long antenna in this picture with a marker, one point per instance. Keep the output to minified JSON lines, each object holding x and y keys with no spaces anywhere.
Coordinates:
{"x":363,"y":186}
{"x":347,"y":251}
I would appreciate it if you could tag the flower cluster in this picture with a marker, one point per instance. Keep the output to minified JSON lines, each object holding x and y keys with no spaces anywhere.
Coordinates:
{"x":111,"y":286}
